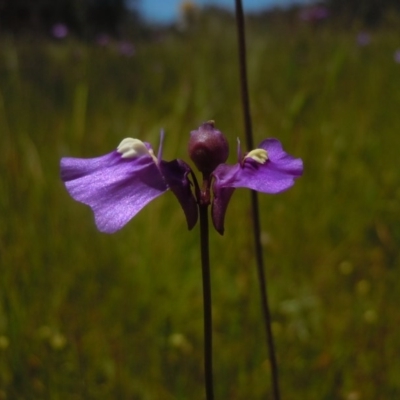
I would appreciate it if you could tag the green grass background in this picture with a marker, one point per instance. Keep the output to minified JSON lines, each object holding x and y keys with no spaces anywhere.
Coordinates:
{"x":84,"y":315}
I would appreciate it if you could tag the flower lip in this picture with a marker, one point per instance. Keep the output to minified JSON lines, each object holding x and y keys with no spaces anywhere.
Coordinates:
{"x":116,"y":188}
{"x":208,"y":147}
{"x":266,"y":169}
{"x":119,"y":184}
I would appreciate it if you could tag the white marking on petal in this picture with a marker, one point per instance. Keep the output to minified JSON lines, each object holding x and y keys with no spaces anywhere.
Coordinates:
{"x":132,"y":148}
{"x":259,"y":155}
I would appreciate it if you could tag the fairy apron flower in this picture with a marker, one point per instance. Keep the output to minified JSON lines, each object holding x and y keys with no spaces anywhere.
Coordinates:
{"x":119,"y":184}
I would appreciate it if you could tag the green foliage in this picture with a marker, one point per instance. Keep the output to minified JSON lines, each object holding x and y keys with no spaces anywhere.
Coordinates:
{"x":85,"y":315}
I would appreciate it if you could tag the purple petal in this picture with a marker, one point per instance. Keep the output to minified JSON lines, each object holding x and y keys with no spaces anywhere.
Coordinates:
{"x":275,"y":175}
{"x":115,"y":188}
{"x":281,"y":160}
{"x":176,"y":175}
{"x":219,"y":207}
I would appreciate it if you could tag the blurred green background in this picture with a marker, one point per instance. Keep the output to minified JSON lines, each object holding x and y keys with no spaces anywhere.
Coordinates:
{"x":84,"y":315}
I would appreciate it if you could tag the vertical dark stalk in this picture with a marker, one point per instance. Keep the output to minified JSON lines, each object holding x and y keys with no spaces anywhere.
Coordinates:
{"x":205,"y":265}
{"x":254,"y":200}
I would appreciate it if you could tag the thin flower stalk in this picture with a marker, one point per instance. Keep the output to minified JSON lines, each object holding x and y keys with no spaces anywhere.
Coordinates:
{"x":207,"y":301}
{"x":254,"y":202}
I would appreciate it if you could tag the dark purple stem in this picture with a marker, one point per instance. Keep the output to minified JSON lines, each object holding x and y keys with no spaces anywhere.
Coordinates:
{"x":205,"y":264}
{"x":254,"y":201}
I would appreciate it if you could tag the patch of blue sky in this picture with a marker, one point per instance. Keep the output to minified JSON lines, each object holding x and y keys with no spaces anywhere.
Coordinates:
{"x":166,"y":11}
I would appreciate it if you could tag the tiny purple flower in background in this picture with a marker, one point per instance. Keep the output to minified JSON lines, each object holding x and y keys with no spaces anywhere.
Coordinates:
{"x":126,"y":48}
{"x":59,"y":31}
{"x":314,"y":14}
{"x":363,"y":39}
{"x":119,"y":184}
{"x":396,"y":56}
{"x":103,"y":40}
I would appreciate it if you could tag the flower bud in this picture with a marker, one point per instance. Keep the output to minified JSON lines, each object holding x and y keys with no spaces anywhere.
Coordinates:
{"x":208,"y":148}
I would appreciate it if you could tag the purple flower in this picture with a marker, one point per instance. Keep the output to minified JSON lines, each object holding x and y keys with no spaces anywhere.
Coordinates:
{"x":314,"y":14}
{"x":59,"y":31}
{"x":267,"y":169}
{"x":126,"y":48}
{"x":396,"y":56}
{"x":363,"y":39}
{"x":119,"y":184}
{"x":103,"y":39}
